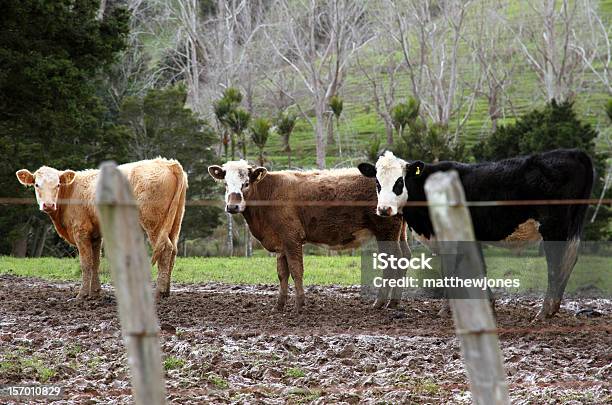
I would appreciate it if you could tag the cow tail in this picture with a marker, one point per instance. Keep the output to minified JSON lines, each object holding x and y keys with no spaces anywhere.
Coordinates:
{"x":171,"y":226}
{"x":578,"y":212}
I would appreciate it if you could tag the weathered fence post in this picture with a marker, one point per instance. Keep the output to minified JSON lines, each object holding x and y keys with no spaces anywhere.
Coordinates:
{"x":473,"y":316}
{"x":131,"y":273}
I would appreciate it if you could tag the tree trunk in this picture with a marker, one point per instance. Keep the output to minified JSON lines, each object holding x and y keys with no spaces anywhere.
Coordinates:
{"x":244,"y":146}
{"x":330,"y":131}
{"x":101,"y":9}
{"x":248,"y":251}
{"x":289,"y":158}
{"x":339,"y":140}
{"x":286,"y":147}
{"x":20,"y":245}
{"x":493,"y":110}
{"x":320,"y":136}
{"x":41,"y":243}
{"x":35,"y":240}
{"x":230,"y":235}
{"x":389,"y":129}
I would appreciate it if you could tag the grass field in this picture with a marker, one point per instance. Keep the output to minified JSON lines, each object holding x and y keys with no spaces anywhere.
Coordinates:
{"x":360,"y":123}
{"x":592,"y":273}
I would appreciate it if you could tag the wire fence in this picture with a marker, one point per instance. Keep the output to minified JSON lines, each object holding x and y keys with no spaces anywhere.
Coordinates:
{"x":342,"y":203}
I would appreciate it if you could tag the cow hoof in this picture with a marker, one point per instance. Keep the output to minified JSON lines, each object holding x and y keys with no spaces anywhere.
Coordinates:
{"x":549,"y":308}
{"x":95,"y":295}
{"x":445,"y":312}
{"x":81,"y":296}
{"x":542,"y":314}
{"x":299,"y":303}
{"x":378,"y":304}
{"x":392,"y":304}
{"x":280,"y":303}
{"x":161,"y":294}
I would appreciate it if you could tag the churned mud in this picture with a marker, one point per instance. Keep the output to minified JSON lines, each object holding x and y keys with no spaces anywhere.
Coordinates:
{"x":226,"y":344}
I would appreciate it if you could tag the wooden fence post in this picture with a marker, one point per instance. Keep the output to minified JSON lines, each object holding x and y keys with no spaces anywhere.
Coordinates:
{"x":473,"y":316}
{"x":131,"y":273}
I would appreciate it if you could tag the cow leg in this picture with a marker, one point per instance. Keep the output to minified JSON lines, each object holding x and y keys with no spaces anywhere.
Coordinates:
{"x":560,"y":259}
{"x":404,"y":246}
{"x":86,"y":261}
{"x":282,"y":268}
{"x":296,"y":269}
{"x":164,"y":269}
{"x":165,"y":252}
{"x":484,"y":271}
{"x":396,"y":292}
{"x":383,"y":292}
{"x":404,"y":251}
{"x":170,"y":268}
{"x":94,"y":286}
{"x":389,"y":243}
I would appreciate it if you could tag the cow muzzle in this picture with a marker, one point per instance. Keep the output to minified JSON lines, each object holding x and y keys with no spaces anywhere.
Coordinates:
{"x":234,"y":208}
{"x":47,"y":207}
{"x":384,"y":211}
{"x":235,"y":203}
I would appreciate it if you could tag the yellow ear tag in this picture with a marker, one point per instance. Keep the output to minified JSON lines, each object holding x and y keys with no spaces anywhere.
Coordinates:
{"x":418,"y":171}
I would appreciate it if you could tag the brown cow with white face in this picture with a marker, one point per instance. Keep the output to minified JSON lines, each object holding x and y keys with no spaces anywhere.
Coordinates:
{"x":306,"y":207}
{"x":159,"y":186}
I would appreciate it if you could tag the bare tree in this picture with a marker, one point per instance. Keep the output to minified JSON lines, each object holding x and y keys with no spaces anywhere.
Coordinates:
{"x":493,"y":52}
{"x":211,"y":47}
{"x":429,"y":35}
{"x":544,"y":33}
{"x":593,"y":44}
{"x":316,"y":39}
{"x":382,"y":79}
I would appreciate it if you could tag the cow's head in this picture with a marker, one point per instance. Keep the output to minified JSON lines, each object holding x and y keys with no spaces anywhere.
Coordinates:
{"x":47,"y":182}
{"x":237,"y":176}
{"x":391,"y":173}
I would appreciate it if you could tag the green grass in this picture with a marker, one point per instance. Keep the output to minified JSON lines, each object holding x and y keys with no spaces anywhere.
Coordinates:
{"x":218,"y":381}
{"x":295,"y":372}
{"x":590,"y":271}
{"x":173,"y":363}
{"x":18,"y":362}
{"x":320,"y":270}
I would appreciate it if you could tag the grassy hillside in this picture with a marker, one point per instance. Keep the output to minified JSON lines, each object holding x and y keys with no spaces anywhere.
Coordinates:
{"x":360,"y":123}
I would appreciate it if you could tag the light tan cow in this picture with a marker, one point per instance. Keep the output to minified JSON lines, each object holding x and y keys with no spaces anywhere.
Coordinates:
{"x":159,"y":186}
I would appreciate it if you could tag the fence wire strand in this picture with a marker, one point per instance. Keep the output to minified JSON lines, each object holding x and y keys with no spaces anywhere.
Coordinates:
{"x":341,"y":203}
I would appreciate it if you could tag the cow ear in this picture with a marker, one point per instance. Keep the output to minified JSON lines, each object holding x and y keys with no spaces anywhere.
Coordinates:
{"x":67,"y":177}
{"x":216,"y":172}
{"x":25,"y":177}
{"x":414,"y":169}
{"x":256,"y":175}
{"x":367,"y":169}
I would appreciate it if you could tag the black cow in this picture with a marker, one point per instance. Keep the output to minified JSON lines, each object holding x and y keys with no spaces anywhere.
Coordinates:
{"x":557,"y":175}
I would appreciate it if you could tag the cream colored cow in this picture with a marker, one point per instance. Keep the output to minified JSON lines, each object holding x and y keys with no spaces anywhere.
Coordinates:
{"x":159,"y":186}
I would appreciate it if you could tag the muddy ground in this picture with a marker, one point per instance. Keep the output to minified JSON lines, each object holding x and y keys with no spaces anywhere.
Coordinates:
{"x":226,"y":344}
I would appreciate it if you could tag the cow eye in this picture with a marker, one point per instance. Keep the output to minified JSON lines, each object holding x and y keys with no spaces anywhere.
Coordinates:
{"x":245,"y":185}
{"x":36,"y":185}
{"x":377,"y":186}
{"x":398,"y":187}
